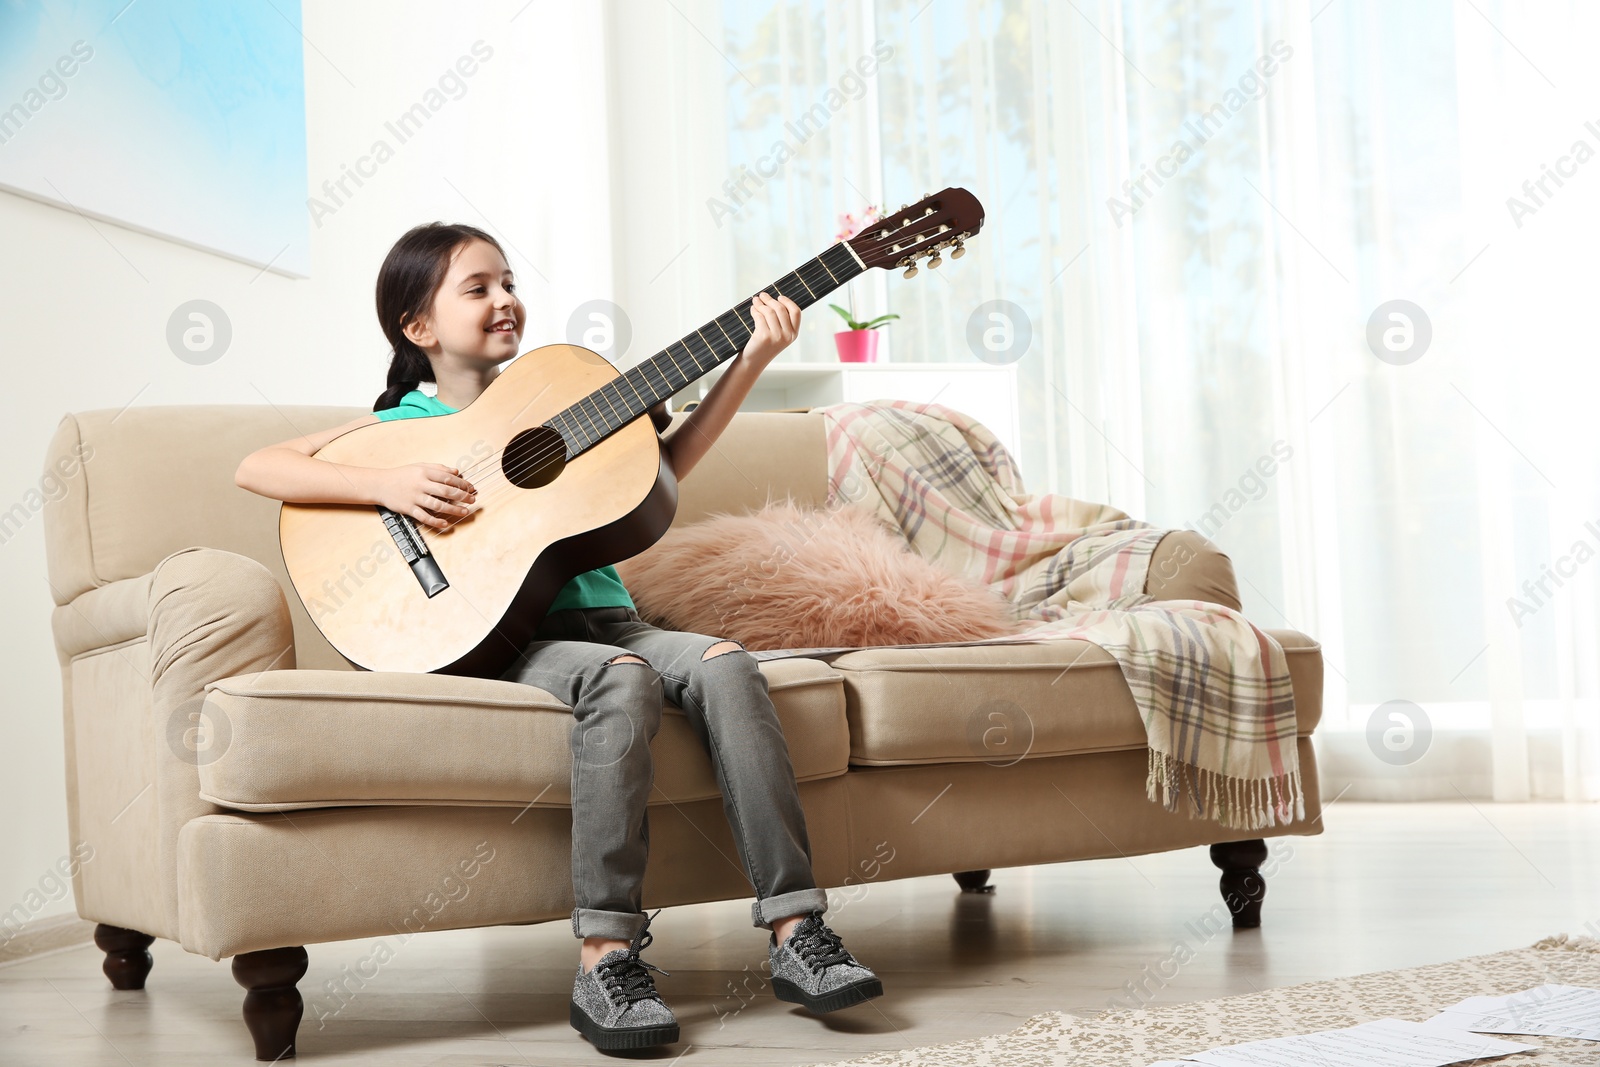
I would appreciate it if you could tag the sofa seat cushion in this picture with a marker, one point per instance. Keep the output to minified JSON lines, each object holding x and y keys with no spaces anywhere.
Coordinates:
{"x":291,"y":739}
{"x":1001,"y":703}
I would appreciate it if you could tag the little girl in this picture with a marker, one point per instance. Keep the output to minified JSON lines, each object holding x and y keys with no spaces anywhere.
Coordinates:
{"x":447,"y":303}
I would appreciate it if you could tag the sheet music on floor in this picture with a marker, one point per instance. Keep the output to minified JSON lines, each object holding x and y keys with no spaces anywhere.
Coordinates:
{"x":1545,"y":1011}
{"x":827,"y":652}
{"x":1385,"y":1043}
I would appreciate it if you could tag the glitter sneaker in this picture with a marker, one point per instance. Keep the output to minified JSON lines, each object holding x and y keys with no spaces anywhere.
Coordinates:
{"x":616,"y":1006}
{"x":814,"y":969}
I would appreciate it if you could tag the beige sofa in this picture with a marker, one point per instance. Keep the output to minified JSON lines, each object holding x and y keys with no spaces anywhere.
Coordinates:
{"x":246,"y":793}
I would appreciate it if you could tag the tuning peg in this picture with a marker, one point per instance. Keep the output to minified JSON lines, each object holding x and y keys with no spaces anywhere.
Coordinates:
{"x":911,"y":269}
{"x":933,"y":264}
{"x":959,"y":252}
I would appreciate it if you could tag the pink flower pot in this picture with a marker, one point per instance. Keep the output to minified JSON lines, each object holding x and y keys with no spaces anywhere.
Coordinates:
{"x":857,"y":346}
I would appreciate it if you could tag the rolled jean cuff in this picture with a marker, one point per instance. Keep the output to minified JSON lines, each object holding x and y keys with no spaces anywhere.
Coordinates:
{"x":800,"y":902}
{"x":618,"y":925}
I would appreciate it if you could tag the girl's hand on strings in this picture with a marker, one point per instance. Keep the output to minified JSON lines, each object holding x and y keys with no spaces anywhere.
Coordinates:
{"x":777,"y":322}
{"x":431,"y":493}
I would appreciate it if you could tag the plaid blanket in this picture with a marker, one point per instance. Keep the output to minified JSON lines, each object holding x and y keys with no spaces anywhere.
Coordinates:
{"x":1213,"y":690}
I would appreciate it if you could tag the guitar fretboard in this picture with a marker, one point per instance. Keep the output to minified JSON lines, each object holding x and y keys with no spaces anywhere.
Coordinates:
{"x":631,"y":394}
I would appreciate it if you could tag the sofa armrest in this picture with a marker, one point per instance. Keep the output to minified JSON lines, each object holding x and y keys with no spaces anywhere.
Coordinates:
{"x":199,"y":615}
{"x":102,"y":618}
{"x":1187,"y":566}
{"x":214,"y":614}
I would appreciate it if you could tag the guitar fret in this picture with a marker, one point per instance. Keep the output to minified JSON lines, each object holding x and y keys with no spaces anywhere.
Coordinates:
{"x":644,"y":374}
{"x":603,"y":394}
{"x":617,"y":401}
{"x":709,"y":347}
{"x":573,"y":436}
{"x":711,"y":351}
{"x":671,"y":370}
{"x":645,"y":403}
{"x":674,"y":360}
{"x":592,"y":415}
{"x":688,"y":352}
{"x":826,"y":275}
{"x":737,"y":345}
{"x":624,"y":406}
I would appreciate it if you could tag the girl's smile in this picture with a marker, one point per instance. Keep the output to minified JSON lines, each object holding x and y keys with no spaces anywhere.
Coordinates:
{"x":476,"y":314}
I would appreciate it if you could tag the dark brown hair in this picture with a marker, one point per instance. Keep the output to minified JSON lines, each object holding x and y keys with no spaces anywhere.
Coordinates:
{"x":411,"y":273}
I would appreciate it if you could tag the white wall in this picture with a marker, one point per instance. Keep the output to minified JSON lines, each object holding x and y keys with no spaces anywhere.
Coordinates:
{"x":522,"y":152}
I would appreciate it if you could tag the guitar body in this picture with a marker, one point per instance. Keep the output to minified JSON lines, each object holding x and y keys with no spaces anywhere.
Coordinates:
{"x":504,"y":563}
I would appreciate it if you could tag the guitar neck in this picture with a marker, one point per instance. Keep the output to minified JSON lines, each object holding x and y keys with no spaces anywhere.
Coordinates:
{"x":638,"y":388}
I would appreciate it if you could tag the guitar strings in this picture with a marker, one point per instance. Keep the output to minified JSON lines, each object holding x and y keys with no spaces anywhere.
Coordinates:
{"x":494,"y":466}
{"x":492,"y":462}
{"x":871,"y":247}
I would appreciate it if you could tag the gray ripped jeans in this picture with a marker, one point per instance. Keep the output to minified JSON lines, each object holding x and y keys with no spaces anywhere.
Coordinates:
{"x":616,"y":709}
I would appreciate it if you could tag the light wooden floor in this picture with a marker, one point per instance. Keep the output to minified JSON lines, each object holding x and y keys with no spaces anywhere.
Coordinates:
{"x":1386,"y":886}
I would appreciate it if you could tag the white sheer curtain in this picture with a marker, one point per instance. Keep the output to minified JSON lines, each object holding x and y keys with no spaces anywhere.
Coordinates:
{"x":1203,"y":210}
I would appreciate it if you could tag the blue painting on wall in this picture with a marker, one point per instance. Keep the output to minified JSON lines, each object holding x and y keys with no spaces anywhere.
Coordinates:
{"x":180,"y":118}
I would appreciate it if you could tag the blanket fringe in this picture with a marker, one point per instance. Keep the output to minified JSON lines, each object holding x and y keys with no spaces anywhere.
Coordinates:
{"x":1236,"y":803}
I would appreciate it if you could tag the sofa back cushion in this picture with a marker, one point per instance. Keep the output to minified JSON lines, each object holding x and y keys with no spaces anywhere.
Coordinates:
{"x":136,"y":485}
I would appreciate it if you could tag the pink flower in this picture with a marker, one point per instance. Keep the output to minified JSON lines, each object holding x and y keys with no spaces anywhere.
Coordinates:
{"x":849,"y":225}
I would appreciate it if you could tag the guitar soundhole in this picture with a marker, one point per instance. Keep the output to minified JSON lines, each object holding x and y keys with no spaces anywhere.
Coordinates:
{"x":534,"y":458}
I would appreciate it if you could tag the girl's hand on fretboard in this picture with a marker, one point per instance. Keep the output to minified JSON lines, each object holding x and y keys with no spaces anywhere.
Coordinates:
{"x":777,"y":323}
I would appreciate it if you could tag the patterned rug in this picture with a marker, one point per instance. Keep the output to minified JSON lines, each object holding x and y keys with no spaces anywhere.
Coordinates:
{"x":1138,"y":1038}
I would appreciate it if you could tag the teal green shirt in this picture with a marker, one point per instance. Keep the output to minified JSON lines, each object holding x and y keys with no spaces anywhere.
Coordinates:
{"x":599,"y":588}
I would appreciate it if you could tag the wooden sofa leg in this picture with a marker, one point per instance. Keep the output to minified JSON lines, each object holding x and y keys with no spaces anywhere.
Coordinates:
{"x":1243,"y":888}
{"x":127,"y":962}
{"x":973,"y":881}
{"x":272,"y":1004}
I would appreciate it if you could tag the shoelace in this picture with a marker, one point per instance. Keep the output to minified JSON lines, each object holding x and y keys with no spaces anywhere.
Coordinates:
{"x":818,"y":946}
{"x":628,"y":979}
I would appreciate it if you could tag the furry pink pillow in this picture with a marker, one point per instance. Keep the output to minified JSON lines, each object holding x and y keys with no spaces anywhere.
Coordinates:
{"x":794,"y":577}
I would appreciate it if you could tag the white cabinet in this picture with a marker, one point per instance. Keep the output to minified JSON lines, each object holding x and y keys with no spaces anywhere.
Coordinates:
{"x":987,"y":393}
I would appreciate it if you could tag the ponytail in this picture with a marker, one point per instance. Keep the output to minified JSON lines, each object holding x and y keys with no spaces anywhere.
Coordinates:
{"x":410,"y":276}
{"x":408,"y":368}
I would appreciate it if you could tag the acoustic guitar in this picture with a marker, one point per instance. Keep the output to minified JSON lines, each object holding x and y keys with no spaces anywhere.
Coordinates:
{"x":570,"y":477}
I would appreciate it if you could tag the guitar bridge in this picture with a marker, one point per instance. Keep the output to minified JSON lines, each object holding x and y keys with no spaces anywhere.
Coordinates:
{"x":414,"y":550}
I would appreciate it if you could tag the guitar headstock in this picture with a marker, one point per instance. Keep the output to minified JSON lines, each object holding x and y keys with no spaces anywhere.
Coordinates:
{"x":942,"y":220}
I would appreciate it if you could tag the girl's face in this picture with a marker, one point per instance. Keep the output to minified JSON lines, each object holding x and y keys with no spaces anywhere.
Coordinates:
{"x":476,"y":313}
